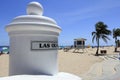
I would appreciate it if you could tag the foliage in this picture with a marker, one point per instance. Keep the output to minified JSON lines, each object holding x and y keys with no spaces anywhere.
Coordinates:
{"x":116,"y":33}
{"x":101,"y":32}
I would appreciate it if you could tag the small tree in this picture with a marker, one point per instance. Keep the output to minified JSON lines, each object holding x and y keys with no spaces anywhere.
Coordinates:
{"x":116,"y":33}
{"x":101,"y":32}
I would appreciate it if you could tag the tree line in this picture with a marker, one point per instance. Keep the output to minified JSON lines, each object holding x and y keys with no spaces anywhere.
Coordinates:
{"x":101,"y":32}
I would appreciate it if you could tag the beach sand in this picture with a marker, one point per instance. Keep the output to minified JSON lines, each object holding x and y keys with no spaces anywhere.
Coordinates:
{"x":4,"y":65}
{"x":75,"y":63}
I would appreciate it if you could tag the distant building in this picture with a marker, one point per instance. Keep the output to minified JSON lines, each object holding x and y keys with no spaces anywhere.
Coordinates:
{"x":79,"y":42}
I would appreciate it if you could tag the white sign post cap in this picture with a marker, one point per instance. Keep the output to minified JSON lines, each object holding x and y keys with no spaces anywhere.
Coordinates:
{"x":33,"y":21}
{"x":34,"y":8}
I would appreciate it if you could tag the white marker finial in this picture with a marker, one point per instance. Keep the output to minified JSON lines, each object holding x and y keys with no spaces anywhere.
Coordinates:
{"x":34,"y":8}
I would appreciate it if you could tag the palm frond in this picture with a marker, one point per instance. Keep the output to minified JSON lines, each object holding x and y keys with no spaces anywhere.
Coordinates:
{"x":93,"y":33}
{"x":93,"y":38}
{"x":116,"y":32}
{"x":101,"y":32}
{"x":104,"y":37}
{"x":97,"y":39}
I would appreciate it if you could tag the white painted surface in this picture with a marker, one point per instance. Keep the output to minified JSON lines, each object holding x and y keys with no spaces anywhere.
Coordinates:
{"x":25,"y":29}
{"x":34,"y":8}
{"x":59,"y":76}
{"x":24,"y":60}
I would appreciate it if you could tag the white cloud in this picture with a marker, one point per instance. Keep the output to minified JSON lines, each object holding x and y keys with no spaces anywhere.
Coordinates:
{"x":93,"y":10}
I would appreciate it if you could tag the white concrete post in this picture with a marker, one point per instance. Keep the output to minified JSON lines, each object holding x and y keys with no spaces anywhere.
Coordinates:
{"x":33,"y":43}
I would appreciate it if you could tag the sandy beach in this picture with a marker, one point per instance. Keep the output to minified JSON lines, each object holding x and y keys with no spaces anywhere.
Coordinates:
{"x":75,"y":63}
{"x":4,"y":65}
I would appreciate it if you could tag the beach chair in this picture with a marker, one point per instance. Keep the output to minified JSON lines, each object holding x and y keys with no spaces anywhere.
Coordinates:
{"x":66,"y":49}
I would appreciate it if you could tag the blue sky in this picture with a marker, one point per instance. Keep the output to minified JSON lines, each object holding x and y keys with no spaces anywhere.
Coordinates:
{"x":77,"y":18}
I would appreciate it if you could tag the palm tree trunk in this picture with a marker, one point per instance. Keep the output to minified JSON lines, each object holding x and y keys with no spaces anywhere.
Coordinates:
{"x":97,"y":48}
{"x":115,"y":44}
{"x":115,"y":49}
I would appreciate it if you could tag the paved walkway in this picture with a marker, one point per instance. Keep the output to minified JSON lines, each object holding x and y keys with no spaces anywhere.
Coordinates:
{"x":105,"y":69}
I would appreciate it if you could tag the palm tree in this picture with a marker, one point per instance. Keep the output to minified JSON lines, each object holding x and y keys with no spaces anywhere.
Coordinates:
{"x":116,"y":33}
{"x":101,"y":32}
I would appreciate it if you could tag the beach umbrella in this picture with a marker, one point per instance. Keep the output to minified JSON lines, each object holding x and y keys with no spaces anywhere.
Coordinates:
{"x":5,"y":50}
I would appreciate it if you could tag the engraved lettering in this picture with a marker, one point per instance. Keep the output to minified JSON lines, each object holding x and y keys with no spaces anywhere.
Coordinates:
{"x":38,"y":45}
